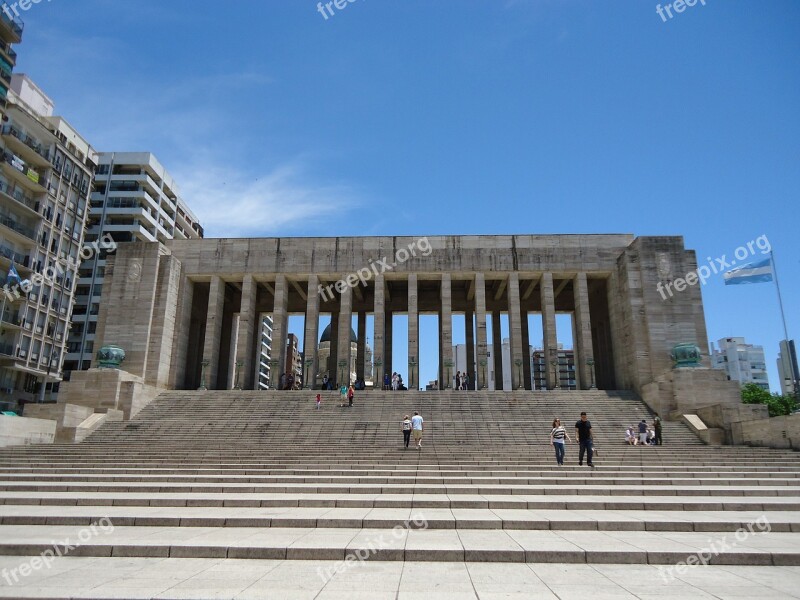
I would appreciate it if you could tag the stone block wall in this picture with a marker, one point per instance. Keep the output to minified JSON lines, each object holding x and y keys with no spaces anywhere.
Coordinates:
{"x":22,"y":431}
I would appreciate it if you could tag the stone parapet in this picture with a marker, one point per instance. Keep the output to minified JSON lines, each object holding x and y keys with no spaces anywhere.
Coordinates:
{"x":23,"y":431}
{"x":108,"y":389}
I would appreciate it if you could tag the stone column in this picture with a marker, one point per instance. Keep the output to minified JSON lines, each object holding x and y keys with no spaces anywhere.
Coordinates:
{"x":248,"y":323}
{"x":387,"y":344}
{"x":310,"y":356}
{"x":180,"y":349}
{"x":549,"y":326}
{"x":446,"y":338}
{"x":480,"y":311}
{"x":379,"y":323}
{"x":526,"y":351}
{"x":160,"y":352}
{"x":515,"y":332}
{"x":345,"y":329}
{"x":280,"y":324}
{"x":216,"y":303}
{"x":361,"y":352}
{"x":583,"y":332}
{"x":441,"y":373}
{"x":469,"y":330}
{"x":497,"y":350}
{"x":412,"y":381}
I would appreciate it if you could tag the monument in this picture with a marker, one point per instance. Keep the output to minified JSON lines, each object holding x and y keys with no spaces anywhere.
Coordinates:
{"x":176,"y":306}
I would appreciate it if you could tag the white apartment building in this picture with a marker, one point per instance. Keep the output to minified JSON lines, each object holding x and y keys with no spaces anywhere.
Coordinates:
{"x":742,"y":362}
{"x":134,"y":199}
{"x":10,"y":33}
{"x":46,"y":170}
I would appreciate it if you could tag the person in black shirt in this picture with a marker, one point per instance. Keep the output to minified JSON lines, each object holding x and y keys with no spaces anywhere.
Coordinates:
{"x":583,"y":431}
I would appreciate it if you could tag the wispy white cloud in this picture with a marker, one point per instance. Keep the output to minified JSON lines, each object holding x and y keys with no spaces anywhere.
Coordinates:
{"x":284,"y":200}
{"x":233,"y":184}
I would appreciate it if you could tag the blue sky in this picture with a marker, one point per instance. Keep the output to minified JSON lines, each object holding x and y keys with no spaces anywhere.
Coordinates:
{"x":455,"y":117}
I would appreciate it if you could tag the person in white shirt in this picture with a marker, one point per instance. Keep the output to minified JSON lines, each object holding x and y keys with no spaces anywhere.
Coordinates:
{"x":416,"y":428}
{"x":630,"y":436}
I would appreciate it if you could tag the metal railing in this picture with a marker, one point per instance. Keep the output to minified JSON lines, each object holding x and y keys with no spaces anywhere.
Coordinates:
{"x":17,"y":194}
{"x":27,"y":140}
{"x":14,"y":225}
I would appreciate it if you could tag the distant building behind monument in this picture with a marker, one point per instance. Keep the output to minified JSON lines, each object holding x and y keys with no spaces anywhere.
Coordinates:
{"x":741,"y":361}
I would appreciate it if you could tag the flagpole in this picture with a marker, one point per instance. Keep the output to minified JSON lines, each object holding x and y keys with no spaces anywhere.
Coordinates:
{"x":780,"y":299}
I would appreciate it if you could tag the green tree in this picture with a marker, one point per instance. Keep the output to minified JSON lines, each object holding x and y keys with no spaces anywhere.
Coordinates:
{"x":777,"y":404}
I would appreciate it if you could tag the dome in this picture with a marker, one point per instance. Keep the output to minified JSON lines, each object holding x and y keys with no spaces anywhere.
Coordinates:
{"x":326,"y":335}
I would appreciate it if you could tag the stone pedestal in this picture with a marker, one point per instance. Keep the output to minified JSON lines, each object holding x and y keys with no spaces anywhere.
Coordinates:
{"x":107,"y":389}
{"x":685,"y":391}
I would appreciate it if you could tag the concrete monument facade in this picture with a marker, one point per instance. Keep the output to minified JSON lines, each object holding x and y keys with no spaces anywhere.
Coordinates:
{"x":189,"y":310}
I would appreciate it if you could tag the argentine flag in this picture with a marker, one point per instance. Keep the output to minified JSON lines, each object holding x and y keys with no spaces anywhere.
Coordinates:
{"x":13,"y":276}
{"x":757,"y":272}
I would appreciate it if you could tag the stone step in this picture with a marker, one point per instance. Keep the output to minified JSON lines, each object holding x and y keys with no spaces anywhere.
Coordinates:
{"x":760,"y":547}
{"x":16,"y":481}
{"x":312,"y":498}
{"x":572,"y":488}
{"x":388,"y":518}
{"x":174,"y":578}
{"x":559,"y":475}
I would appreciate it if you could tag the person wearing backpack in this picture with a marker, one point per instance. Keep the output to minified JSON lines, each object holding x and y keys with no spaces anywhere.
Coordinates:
{"x":406,"y":429}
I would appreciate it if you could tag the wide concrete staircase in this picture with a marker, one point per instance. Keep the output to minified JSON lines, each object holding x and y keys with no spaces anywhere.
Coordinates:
{"x":253,"y":475}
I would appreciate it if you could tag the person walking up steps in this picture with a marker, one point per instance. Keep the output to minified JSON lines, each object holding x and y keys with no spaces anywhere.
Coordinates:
{"x":557,"y":436}
{"x":350,"y":395}
{"x":406,"y":429}
{"x":583,"y":433}
{"x":319,"y":400}
{"x":416,"y":427}
{"x":657,"y":426}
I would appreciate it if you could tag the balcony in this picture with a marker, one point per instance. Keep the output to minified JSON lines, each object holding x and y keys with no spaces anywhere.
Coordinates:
{"x":9,"y":319}
{"x":25,"y":146}
{"x":16,"y":227}
{"x":21,"y":262}
{"x":12,"y":25}
{"x":8,"y":51}
{"x":18,"y":195}
{"x":15,"y":168}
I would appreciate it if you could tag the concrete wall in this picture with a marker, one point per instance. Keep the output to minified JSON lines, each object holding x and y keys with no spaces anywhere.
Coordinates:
{"x":776,"y":432}
{"x":67,"y":415}
{"x":688,"y":391}
{"x":22,"y":431}
{"x":107,"y":389}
